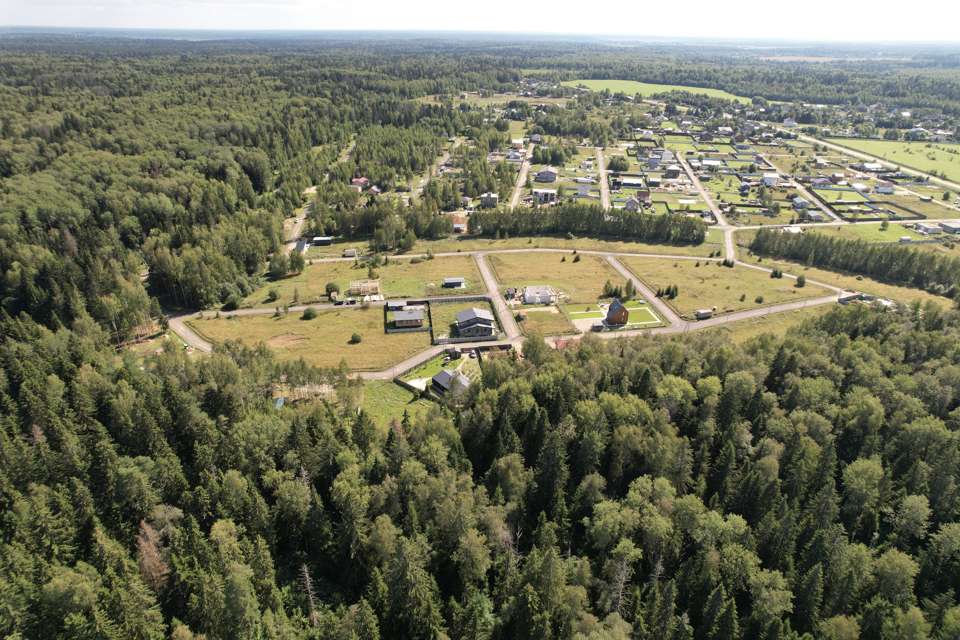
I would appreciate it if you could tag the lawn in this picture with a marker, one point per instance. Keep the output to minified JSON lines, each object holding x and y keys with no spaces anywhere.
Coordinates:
{"x":913,"y":155}
{"x":321,"y":342}
{"x":399,"y":279}
{"x":469,"y":367}
{"x":934,"y":210}
{"x":385,"y":399}
{"x":867,"y":232}
{"x":544,"y":321}
{"x":710,"y":285}
{"x":839,"y":195}
{"x":580,"y":281}
{"x":631,"y":87}
{"x":444,"y":316}
{"x":642,"y":315}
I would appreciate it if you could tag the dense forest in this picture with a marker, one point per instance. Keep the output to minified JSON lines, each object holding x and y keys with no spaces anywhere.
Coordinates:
{"x":670,"y":489}
{"x":644,"y":488}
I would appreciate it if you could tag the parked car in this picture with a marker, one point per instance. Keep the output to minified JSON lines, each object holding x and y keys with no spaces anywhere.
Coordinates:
{"x":351,"y":301}
{"x":338,"y":303}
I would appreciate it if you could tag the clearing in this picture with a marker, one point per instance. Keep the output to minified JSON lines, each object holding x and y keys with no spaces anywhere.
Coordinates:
{"x":580,"y":281}
{"x":631,"y":87}
{"x":921,"y":156}
{"x":322,"y":341}
{"x":710,"y":285}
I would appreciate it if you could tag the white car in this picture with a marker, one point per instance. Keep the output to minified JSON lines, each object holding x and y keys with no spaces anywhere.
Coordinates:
{"x":296,"y":220}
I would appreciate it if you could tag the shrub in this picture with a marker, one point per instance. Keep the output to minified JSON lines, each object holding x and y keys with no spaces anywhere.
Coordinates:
{"x":331,"y":287}
{"x":233,"y":302}
{"x":743,"y":297}
{"x":310,"y":313}
{"x":801,"y":281}
{"x":759,"y":300}
{"x":576,"y":258}
{"x":273,"y":294}
{"x":356,"y":338}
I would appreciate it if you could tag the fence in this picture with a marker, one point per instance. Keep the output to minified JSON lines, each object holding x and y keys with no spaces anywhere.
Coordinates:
{"x":466,"y":339}
{"x":409,"y":330}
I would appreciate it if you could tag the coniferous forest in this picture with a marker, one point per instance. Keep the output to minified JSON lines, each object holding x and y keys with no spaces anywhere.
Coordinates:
{"x":683,"y":488}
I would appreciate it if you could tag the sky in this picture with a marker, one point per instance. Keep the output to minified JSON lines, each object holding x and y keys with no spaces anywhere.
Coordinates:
{"x":878,"y":20}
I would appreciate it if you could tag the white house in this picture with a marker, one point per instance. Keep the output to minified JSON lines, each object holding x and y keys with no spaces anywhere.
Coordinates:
{"x":547,"y":174}
{"x":770,"y":179}
{"x":789,"y":122}
{"x":535,"y":138}
{"x":799,"y":203}
{"x":541,"y":294}
{"x":583,"y":190}
{"x":587,"y":165}
{"x":545,"y":196}
{"x":872,"y":167}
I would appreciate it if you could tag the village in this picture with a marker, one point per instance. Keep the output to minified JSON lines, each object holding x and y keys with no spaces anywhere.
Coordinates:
{"x":738,"y":172}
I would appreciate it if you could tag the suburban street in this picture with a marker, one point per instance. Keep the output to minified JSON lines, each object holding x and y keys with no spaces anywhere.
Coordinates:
{"x":522,"y":178}
{"x":604,"y":188}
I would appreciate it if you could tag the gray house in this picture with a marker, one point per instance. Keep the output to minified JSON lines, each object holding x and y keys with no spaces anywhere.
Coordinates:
{"x":476,"y":323}
{"x":449,"y":379}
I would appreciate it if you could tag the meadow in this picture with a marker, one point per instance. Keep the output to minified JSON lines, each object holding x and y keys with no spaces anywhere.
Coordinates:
{"x":580,"y":281}
{"x":321,"y":342}
{"x":631,"y":87}
{"x":709,"y":285}
{"x":913,"y":155}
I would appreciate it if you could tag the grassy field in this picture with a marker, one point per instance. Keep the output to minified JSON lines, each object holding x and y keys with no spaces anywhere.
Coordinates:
{"x":399,"y":279}
{"x":472,"y":243}
{"x":837,"y":195}
{"x":469,"y":367}
{"x":710,"y":286}
{"x":933,"y":210}
{"x":384,"y":399}
{"x":322,"y":341}
{"x":546,"y":323}
{"x":580,"y":281}
{"x":867,"y":232}
{"x":444,"y":316}
{"x":775,"y":323}
{"x":631,"y":87}
{"x":914,"y":155}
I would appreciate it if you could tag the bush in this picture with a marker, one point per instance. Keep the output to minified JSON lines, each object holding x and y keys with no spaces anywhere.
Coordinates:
{"x":759,"y":300}
{"x":356,"y":338}
{"x":743,"y":297}
{"x":801,"y":281}
{"x":310,"y":313}
{"x":233,"y":302}
{"x":576,"y":258}
{"x":331,"y":287}
{"x":273,"y":295}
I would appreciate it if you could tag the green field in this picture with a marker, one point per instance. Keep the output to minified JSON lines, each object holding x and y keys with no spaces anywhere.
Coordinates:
{"x":775,"y":323}
{"x":710,"y":285}
{"x":321,"y":342}
{"x":631,"y":87}
{"x":399,"y":279}
{"x":580,"y":281}
{"x":547,"y":321}
{"x":385,"y":399}
{"x":913,"y":155}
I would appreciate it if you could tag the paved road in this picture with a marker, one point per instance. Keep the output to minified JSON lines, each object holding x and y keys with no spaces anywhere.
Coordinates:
{"x":604,"y":188}
{"x":722,"y":225}
{"x":180,"y":328}
{"x":522,"y":178}
{"x":493,"y":290}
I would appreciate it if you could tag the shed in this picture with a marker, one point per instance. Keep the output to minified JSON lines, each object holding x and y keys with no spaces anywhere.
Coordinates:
{"x":703,"y":314}
{"x":950,"y":227}
{"x":455,"y":283}
{"x":349,"y":253}
{"x":322,"y":241}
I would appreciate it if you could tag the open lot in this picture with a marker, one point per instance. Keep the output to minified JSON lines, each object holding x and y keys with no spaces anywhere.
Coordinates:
{"x":915,"y":155}
{"x":398,"y":279}
{"x":323,"y":341}
{"x":933,"y":210}
{"x":642,"y":315}
{"x":631,"y":87}
{"x":775,"y":323}
{"x":475,"y":243}
{"x":579,"y":281}
{"x":547,"y":321}
{"x":384,"y":400}
{"x":710,"y":285}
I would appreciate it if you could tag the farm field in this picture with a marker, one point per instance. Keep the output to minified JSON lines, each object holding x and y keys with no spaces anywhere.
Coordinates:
{"x":321,"y":342}
{"x":631,"y":87}
{"x":398,"y":279}
{"x":581,"y":281}
{"x":914,"y":155}
{"x":933,"y":210}
{"x":866,"y":232}
{"x":710,"y":285}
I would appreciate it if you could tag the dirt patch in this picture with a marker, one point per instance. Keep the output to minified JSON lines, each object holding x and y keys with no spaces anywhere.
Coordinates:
{"x":286,"y":339}
{"x":545,"y":309}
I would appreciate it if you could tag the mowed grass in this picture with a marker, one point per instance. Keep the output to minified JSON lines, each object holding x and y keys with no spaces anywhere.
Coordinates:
{"x":384,"y":400}
{"x":631,"y":87}
{"x":579,"y":281}
{"x":546,"y":323}
{"x":866,"y":232}
{"x":323,"y":341}
{"x":920,"y":157}
{"x":709,"y":285}
{"x":398,"y":279}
